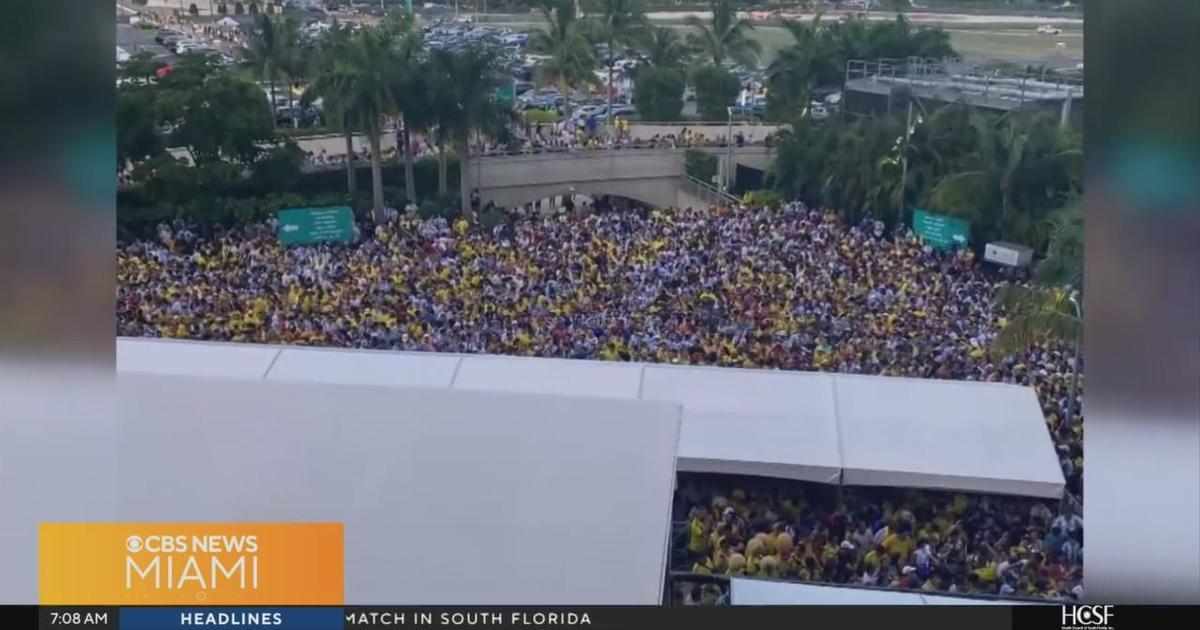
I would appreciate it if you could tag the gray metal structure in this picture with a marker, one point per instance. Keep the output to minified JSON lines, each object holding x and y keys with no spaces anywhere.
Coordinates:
{"x":880,"y":85}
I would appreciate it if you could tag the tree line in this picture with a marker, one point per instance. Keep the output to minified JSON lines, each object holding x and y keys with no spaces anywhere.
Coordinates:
{"x":1006,"y":174}
{"x":703,"y":53}
{"x":366,"y":80}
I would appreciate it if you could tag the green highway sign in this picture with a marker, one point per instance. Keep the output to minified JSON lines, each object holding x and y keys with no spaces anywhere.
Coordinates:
{"x":507,"y":94}
{"x":940,"y":230}
{"x":303,"y":226}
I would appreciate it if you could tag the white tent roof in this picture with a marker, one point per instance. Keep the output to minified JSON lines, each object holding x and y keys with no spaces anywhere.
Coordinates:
{"x":448,"y":497}
{"x":228,"y":22}
{"x":925,"y":433}
{"x":751,"y":592}
{"x":822,"y":427}
{"x":752,"y":422}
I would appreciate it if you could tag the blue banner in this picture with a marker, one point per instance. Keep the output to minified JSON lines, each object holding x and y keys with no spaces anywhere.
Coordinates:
{"x":230,"y":618}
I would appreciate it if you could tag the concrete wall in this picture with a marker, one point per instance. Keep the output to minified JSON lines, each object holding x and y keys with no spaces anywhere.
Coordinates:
{"x":647,"y":175}
{"x":650,"y":176}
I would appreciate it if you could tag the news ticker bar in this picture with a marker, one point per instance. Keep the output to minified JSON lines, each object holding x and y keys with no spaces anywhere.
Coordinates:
{"x":991,"y":617}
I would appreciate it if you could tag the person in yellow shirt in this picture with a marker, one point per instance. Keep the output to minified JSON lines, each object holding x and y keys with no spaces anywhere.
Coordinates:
{"x":698,"y":534}
{"x":900,"y":545}
{"x":987,"y":573}
{"x":871,"y":561}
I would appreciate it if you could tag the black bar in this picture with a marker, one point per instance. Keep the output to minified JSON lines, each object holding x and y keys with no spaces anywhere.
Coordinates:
{"x":76,"y":617}
{"x":692,"y":618}
{"x":18,"y":616}
{"x":931,"y":617}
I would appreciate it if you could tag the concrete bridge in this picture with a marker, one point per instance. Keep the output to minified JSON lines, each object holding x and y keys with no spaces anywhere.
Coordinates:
{"x":650,"y":176}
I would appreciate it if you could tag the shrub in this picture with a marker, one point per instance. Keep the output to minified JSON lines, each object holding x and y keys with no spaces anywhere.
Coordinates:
{"x":716,"y":90}
{"x":658,"y":94}
{"x":768,"y":199}
{"x":700,"y":165}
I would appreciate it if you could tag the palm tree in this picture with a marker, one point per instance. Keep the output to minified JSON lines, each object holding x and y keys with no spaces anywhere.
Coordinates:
{"x":1037,"y":314}
{"x":466,"y":82}
{"x":1016,"y":163}
{"x":571,"y":57}
{"x":1049,"y":310}
{"x":725,"y":37}
{"x":412,"y":98}
{"x":264,"y":50}
{"x":438,"y":79}
{"x":331,"y":85}
{"x":1063,"y":265}
{"x":800,"y":68}
{"x":617,"y":22}
{"x":663,"y":47}
{"x":853,"y":179}
{"x":368,"y":83}
{"x":933,"y":139}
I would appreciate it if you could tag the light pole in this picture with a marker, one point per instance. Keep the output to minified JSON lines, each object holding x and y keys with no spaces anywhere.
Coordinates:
{"x":904,"y":160}
{"x":729,"y":149}
{"x":1075,"y":361}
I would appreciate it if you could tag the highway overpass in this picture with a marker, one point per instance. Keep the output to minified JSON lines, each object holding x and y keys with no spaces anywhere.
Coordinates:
{"x":650,"y":176}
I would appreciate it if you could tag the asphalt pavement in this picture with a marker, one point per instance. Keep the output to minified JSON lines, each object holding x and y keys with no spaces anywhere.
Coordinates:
{"x":133,"y":39}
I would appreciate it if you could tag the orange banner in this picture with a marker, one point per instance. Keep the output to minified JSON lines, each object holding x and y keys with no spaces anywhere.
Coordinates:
{"x":114,"y":564}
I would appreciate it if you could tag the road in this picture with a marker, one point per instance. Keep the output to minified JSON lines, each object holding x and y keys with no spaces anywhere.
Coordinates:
{"x":130,"y":38}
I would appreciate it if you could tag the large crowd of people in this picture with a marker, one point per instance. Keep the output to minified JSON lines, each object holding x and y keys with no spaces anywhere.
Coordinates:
{"x":790,"y":288}
{"x":876,"y":537}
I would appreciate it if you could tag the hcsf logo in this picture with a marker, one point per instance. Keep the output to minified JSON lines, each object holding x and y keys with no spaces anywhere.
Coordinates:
{"x":1089,"y":617}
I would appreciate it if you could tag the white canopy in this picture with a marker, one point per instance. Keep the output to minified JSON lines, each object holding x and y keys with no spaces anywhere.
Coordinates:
{"x":751,"y":422}
{"x":925,"y":433}
{"x":821,"y":427}
{"x":228,"y":22}
{"x":752,"y":592}
{"x":448,"y":497}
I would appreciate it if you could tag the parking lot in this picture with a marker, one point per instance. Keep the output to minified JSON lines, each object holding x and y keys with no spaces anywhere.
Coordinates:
{"x":134,"y":39}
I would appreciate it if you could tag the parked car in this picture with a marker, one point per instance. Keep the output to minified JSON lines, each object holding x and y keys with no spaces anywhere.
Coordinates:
{"x":1049,"y":29}
{"x":188,"y":45}
{"x":164,"y":33}
{"x":542,"y":98}
{"x":600,"y":115}
{"x":307,"y":117}
{"x":754,"y":106}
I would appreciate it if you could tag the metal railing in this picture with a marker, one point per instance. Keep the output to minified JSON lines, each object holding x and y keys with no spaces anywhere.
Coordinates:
{"x":705,"y":191}
{"x":966,"y":78}
{"x":391,"y":157}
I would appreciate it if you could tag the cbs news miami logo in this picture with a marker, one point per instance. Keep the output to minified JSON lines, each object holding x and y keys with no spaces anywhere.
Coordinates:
{"x":114,"y":564}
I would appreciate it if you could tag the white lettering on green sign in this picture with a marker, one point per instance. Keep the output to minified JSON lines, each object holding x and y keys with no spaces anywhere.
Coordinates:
{"x":302,"y":226}
{"x":939,"y":230}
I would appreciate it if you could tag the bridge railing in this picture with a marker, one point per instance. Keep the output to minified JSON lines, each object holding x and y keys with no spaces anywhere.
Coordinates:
{"x":705,"y":191}
{"x":332,"y":161}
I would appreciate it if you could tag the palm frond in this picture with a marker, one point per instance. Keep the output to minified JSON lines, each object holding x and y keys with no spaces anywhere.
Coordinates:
{"x":1035,"y":315}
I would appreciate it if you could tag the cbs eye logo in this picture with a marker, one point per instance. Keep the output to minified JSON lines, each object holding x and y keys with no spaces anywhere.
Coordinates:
{"x":134,"y":544}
